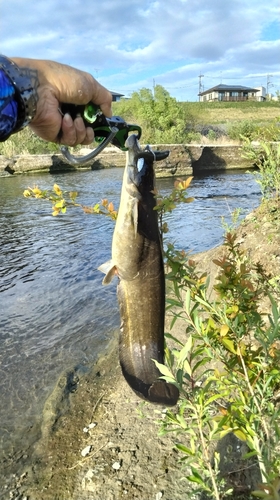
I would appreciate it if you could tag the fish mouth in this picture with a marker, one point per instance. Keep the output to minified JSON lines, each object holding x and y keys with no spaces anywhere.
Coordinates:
{"x":133,"y":145}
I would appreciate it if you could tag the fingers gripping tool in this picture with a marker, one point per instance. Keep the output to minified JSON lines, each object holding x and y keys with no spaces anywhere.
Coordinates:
{"x":112,"y":130}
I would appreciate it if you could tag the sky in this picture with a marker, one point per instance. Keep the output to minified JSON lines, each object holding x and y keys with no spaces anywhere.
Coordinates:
{"x":130,"y":44}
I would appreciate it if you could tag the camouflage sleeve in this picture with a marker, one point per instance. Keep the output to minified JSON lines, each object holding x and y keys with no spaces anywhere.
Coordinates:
{"x":8,"y":106}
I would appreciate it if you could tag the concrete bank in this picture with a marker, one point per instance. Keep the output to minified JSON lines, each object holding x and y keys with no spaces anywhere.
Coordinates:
{"x":184,"y":159}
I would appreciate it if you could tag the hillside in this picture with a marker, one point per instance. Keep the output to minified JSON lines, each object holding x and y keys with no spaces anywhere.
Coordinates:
{"x":164,"y":120}
{"x":231,"y":112}
{"x":226,"y":112}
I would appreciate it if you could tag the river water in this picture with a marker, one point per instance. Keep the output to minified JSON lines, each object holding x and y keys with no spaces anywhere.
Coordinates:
{"x":54,"y":312}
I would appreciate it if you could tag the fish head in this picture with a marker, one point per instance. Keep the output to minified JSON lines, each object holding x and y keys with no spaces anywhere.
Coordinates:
{"x":140,"y":164}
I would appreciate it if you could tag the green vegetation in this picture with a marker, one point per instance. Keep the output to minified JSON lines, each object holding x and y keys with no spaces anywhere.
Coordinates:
{"x":227,"y":113}
{"x":26,"y":142}
{"x":226,"y":366}
{"x":165,"y":120}
{"x":251,"y":131}
{"x":61,"y":200}
{"x":191,"y":121}
{"x":161,"y":117}
{"x":267,"y":158}
{"x":225,"y":362}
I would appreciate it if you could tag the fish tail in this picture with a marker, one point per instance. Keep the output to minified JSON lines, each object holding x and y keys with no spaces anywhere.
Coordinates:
{"x":159,"y":392}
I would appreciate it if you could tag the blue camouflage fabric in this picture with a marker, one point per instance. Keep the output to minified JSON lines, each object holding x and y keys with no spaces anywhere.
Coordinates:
{"x":8,"y":106}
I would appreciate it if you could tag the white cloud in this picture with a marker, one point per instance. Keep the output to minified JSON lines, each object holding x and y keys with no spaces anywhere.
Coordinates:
{"x":129,"y":46}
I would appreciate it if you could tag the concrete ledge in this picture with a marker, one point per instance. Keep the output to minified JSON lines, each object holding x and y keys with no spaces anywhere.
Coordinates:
{"x":184,"y":159}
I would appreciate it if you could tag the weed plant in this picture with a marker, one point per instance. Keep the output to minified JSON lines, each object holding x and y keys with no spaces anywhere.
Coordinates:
{"x":226,"y":367}
{"x":266,"y":157}
{"x":26,"y":142}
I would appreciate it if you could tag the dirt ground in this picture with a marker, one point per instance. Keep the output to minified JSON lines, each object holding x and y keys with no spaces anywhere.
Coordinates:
{"x":124,"y":457}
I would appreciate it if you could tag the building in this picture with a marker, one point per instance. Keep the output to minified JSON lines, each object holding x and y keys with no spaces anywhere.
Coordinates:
{"x":232,"y":93}
{"x":116,"y":96}
{"x":261,"y":94}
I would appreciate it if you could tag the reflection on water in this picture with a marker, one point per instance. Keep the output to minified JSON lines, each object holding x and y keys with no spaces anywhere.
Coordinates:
{"x":197,"y":226}
{"x":54,"y":312}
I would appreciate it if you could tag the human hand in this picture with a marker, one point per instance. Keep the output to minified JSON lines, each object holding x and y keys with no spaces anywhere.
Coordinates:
{"x":60,"y":83}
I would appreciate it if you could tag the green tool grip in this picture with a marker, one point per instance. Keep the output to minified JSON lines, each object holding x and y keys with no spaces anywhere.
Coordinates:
{"x":102,"y":126}
{"x":90,"y":112}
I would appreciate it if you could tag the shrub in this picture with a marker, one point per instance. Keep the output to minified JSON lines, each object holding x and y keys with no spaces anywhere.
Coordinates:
{"x":265,"y":156}
{"x":26,"y":142}
{"x":245,"y":128}
{"x":236,"y":395}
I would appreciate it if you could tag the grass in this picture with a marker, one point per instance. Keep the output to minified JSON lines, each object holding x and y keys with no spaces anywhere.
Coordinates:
{"x":230,"y":112}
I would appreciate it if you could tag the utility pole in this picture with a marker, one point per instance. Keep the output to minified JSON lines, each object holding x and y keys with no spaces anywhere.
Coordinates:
{"x":268,"y":83}
{"x":200,"y":85}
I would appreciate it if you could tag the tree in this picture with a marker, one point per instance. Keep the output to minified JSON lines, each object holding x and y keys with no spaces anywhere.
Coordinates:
{"x":160,"y":115}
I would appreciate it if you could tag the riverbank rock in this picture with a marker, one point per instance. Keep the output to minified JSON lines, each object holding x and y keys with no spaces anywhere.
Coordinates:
{"x":6,"y":166}
{"x":184,"y":159}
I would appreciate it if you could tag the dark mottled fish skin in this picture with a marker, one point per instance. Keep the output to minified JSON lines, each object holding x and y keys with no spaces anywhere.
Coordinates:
{"x":138,"y":262}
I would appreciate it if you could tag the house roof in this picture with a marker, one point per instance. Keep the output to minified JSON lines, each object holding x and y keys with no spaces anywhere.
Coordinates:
{"x":117,"y":94}
{"x":228,"y":88}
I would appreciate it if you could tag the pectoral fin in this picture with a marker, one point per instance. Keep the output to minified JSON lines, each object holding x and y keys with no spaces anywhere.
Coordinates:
{"x":110,"y":270}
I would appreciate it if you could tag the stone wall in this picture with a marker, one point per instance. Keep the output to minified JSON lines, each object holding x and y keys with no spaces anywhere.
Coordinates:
{"x":184,"y":159}
{"x":219,"y":158}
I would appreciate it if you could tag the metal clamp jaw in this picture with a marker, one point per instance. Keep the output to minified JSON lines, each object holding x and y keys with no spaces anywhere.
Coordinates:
{"x":112,"y":130}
